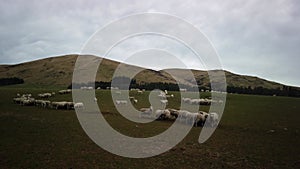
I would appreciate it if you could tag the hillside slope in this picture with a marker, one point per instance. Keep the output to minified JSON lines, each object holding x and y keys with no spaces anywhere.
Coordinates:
{"x":58,"y":71}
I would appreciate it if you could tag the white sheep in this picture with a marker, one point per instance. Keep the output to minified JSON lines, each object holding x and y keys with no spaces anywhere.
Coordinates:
{"x":45,"y":103}
{"x":164,"y":102}
{"x":200,"y":118}
{"x":212,"y":119}
{"x":162,"y":114}
{"x":121,"y":102}
{"x":78,"y":105}
{"x":146,"y":112}
{"x":58,"y":105}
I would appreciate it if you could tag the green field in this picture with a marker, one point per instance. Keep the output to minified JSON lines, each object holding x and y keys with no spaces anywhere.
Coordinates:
{"x":33,"y":137}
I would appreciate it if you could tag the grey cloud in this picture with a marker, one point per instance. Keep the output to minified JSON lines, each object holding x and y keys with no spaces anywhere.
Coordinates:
{"x":252,"y":37}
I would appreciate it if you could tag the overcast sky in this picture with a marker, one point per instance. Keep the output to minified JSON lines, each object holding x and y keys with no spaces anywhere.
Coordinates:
{"x":255,"y":37}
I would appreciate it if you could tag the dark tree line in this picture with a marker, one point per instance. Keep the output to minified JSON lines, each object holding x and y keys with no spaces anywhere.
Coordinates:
{"x":122,"y":83}
{"x":10,"y":81}
{"x":285,"y":91}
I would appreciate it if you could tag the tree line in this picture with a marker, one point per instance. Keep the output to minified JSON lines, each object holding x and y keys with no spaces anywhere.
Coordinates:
{"x":122,"y":83}
{"x":10,"y":81}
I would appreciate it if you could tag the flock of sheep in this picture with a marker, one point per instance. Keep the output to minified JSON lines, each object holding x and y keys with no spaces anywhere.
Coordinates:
{"x":28,"y":100}
{"x":184,"y":116}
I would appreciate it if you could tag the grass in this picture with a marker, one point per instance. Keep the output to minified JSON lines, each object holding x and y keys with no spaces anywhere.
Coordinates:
{"x":32,"y":137}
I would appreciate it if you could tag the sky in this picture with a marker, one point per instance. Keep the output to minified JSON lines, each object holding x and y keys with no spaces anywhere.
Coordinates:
{"x":255,"y":37}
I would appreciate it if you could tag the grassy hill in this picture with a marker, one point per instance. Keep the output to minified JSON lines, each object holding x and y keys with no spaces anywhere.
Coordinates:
{"x":57,"y":71}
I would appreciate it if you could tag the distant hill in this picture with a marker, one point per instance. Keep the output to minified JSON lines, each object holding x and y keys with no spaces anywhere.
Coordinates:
{"x":57,"y":71}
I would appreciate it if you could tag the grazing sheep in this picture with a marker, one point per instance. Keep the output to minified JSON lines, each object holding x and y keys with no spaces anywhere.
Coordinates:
{"x":191,"y":118}
{"x":162,"y":114}
{"x":174,"y":113}
{"x":27,"y":102}
{"x":182,"y":115}
{"x":17,"y":100}
{"x":146,"y":112}
{"x":164,"y":102}
{"x":38,"y":103}
{"x":162,"y":95}
{"x":59,"y":105}
{"x":197,"y":101}
{"x":86,"y":88}
{"x":121,"y":102}
{"x":212,"y":119}
{"x":18,"y":95}
{"x":186,"y":100}
{"x":182,"y":90}
{"x":45,"y":95}
{"x":78,"y":105}
{"x":45,"y":103}
{"x":65,"y":91}
{"x":201,"y":118}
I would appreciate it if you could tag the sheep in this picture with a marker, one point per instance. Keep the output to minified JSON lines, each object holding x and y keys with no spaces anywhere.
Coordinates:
{"x":95,"y":99}
{"x":17,"y":100}
{"x":166,"y":91}
{"x":58,"y":105}
{"x":191,"y":118}
{"x":164,"y":102}
{"x":27,"y":101}
{"x":83,"y":87}
{"x":169,"y":95}
{"x":18,"y":95}
{"x":79,"y":105}
{"x":197,"y":101}
{"x":162,"y":95}
{"x":212,"y":119}
{"x":65,"y":91}
{"x":182,"y":90}
{"x":201,"y":118}
{"x":38,"y":102}
{"x":121,"y":102}
{"x":186,"y":100}
{"x":140,"y":92}
{"x":174,"y":113}
{"x":134,"y":100}
{"x":45,"y":103}
{"x":114,"y":88}
{"x":45,"y":95}
{"x":146,"y":112}
{"x":162,"y":114}
{"x":182,"y":115}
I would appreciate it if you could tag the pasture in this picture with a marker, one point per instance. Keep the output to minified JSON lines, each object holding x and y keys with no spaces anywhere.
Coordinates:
{"x":254,"y":132}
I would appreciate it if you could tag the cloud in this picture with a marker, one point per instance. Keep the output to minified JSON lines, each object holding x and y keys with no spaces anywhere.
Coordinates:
{"x":252,"y":37}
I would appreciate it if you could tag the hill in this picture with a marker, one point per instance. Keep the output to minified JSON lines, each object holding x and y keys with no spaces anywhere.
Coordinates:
{"x":57,"y":71}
